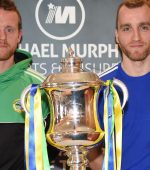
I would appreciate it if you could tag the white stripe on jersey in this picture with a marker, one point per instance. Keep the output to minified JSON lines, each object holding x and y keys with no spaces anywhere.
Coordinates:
{"x":109,"y":70}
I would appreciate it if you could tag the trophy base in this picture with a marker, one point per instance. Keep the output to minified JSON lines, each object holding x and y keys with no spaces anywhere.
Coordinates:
{"x":76,"y":145}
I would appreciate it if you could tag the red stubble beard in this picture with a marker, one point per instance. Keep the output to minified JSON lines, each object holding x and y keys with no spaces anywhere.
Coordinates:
{"x":136,"y":51}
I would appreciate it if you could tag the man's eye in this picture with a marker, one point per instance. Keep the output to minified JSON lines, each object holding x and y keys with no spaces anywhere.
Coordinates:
{"x":126,"y":29}
{"x":9,"y":30}
{"x":145,"y":27}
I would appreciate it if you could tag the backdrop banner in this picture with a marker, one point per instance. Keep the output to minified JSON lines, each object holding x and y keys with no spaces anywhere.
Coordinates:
{"x":50,"y":27}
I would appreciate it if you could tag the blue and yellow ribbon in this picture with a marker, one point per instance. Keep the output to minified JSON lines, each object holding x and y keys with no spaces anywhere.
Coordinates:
{"x":112,"y":128}
{"x":35,"y":142}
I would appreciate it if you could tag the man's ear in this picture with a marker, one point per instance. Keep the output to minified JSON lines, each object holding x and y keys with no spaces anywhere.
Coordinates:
{"x":20,"y":36}
{"x":116,"y":36}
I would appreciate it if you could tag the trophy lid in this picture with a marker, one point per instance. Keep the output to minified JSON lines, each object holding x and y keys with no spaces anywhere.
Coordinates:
{"x":71,"y":73}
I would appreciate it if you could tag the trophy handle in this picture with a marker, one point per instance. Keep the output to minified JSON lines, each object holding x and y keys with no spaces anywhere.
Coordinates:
{"x":24,"y":97}
{"x":124,"y":90}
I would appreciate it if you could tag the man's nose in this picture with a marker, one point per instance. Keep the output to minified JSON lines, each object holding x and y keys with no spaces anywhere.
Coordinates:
{"x":136,"y":35}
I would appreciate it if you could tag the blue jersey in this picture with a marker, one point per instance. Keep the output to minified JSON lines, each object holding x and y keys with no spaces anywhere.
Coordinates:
{"x":136,"y":119}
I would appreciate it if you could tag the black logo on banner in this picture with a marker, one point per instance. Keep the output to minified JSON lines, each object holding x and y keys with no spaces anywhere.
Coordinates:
{"x":60,"y":20}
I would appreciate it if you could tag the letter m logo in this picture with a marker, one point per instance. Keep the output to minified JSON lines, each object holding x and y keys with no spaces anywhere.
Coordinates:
{"x":61,"y":16}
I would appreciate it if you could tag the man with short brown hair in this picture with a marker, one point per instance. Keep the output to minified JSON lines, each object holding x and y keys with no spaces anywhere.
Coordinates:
{"x":133,"y":37}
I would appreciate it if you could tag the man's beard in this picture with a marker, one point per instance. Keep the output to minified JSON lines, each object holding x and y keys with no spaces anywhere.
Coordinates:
{"x":135,"y":56}
{"x":6,"y":55}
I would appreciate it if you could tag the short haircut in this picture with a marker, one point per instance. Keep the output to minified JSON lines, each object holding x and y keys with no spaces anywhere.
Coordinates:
{"x":131,"y":4}
{"x":9,"y":5}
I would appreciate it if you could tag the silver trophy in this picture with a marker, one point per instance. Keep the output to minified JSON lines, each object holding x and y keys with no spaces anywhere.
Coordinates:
{"x":73,"y":96}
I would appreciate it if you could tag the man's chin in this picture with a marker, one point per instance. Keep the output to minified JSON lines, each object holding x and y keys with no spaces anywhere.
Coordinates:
{"x":137,"y":57}
{"x":4,"y":56}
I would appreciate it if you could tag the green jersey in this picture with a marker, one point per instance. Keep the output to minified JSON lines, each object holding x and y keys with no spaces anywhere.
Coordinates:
{"x":12,"y":117}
